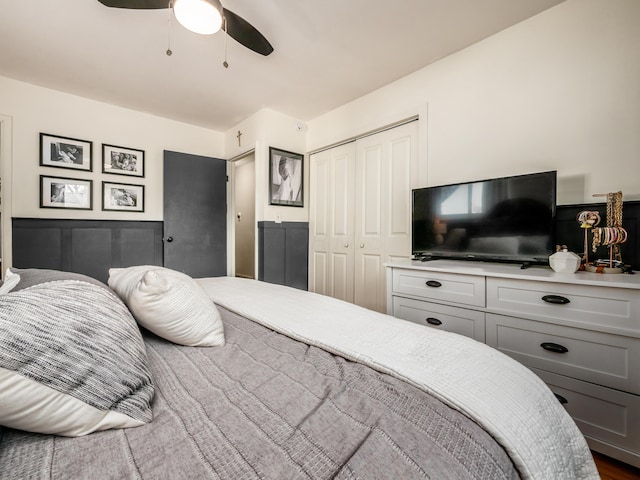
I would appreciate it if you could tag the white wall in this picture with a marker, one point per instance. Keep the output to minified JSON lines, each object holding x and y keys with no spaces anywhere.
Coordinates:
{"x":268,"y":128}
{"x":558,"y":91}
{"x":35,"y":109}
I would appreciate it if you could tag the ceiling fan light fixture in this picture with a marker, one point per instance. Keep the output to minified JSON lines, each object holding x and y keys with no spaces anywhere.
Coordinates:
{"x":199,"y":16}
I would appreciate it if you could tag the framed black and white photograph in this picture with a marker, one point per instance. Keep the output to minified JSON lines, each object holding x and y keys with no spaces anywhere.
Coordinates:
{"x":122,"y":198}
{"x":122,"y":160}
{"x":70,"y":193}
{"x":64,"y":152}
{"x":285,"y":178}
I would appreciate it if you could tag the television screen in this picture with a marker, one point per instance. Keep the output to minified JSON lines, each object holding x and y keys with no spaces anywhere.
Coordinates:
{"x":502,"y":219}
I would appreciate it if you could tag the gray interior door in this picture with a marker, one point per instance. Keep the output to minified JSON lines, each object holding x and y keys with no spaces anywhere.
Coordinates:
{"x":195,"y":214}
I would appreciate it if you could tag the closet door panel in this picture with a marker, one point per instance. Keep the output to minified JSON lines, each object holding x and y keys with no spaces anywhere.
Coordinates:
{"x":318,"y":273}
{"x":342,"y":178}
{"x":331,"y":217}
{"x":342,"y":280}
{"x":342,"y":196}
{"x":319,"y":236}
{"x":371,"y":183}
{"x":368,"y":210}
{"x":369,"y":290}
{"x":403,"y":158}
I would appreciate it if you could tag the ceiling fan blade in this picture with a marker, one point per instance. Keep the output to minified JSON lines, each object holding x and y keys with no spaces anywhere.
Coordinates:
{"x":136,"y":4}
{"x":243,"y":32}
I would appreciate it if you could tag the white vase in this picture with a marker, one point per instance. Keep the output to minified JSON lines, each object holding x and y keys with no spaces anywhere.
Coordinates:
{"x":564,"y":261}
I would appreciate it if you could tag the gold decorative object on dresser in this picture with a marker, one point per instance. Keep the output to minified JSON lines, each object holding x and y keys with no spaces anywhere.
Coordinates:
{"x":579,"y":332}
{"x":611,"y":236}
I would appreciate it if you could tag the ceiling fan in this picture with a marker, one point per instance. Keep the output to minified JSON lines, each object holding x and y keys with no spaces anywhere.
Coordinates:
{"x":204,"y":17}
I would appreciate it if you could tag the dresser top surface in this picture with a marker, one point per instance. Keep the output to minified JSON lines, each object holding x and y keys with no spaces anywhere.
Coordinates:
{"x":534,"y":272}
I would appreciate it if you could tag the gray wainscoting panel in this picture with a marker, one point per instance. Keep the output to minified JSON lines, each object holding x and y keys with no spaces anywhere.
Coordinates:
{"x":284,"y":253}
{"x":89,"y":247}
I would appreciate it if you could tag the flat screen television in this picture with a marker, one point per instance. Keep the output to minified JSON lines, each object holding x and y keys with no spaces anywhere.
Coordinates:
{"x":509,"y":219}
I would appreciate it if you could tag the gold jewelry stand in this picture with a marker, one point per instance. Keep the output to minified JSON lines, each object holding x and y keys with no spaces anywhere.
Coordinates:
{"x":611,"y":236}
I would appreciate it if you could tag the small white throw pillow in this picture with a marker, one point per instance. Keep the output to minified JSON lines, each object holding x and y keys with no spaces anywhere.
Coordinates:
{"x":170,"y":304}
{"x":10,"y":281}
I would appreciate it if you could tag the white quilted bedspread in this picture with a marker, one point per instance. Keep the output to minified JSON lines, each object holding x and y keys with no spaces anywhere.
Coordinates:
{"x":500,"y":394}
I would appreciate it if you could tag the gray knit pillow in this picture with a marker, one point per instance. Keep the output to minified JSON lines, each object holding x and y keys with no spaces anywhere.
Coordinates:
{"x":34,"y":276}
{"x":72,"y":360}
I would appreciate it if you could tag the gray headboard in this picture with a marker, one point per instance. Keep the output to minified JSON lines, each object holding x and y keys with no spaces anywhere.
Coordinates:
{"x":90,"y":247}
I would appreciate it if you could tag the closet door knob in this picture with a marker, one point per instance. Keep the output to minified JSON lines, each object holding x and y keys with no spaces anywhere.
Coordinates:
{"x":346,"y":245}
{"x":169,"y":239}
{"x":362,"y":245}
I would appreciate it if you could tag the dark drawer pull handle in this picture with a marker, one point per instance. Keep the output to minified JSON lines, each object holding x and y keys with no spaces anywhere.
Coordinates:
{"x":557,"y":299}
{"x":433,"y":283}
{"x":433,"y":321}
{"x":561,"y":399}
{"x":554,"y":347}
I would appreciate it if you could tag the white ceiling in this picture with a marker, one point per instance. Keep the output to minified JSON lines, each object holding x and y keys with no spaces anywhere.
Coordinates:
{"x":327,"y":52}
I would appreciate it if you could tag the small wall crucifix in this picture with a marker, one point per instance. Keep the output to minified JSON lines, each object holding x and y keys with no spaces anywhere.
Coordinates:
{"x":238,"y":136}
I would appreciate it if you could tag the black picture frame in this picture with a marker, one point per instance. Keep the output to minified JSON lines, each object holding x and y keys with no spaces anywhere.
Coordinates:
{"x":67,"y":193}
{"x":122,"y":160}
{"x":65,"y":152}
{"x":286,"y":178}
{"x":121,"y":197}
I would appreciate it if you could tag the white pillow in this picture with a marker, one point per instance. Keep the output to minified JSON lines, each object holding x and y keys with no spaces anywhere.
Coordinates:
{"x":170,"y":304}
{"x":10,"y":281}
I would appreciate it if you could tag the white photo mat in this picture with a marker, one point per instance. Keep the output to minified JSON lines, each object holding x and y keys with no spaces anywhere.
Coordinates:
{"x":122,"y":160}
{"x":122,"y":197}
{"x":65,"y":152}
{"x":69,"y":193}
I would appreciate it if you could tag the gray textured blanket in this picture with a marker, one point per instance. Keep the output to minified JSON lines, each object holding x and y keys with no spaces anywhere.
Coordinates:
{"x":267,"y":406}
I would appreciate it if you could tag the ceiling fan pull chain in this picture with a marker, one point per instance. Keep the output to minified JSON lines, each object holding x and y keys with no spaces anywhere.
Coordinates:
{"x":169,"y":51}
{"x":225,"y":64}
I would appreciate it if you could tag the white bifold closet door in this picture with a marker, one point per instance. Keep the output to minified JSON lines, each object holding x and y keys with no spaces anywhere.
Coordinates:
{"x":360,"y":214}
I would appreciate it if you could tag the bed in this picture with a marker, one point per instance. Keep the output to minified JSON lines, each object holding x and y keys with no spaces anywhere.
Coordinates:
{"x":162,"y":376}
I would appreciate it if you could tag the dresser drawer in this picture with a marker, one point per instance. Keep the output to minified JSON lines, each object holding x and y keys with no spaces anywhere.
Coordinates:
{"x":602,"y":414}
{"x":606,"y":359}
{"x":608,"y":309}
{"x":452,"y":319}
{"x":442,"y":287}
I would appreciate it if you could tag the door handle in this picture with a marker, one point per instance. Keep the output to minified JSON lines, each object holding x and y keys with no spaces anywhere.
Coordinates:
{"x":169,"y":239}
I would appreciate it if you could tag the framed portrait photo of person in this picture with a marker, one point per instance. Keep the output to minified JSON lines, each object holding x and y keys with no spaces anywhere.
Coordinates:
{"x":286,"y":178}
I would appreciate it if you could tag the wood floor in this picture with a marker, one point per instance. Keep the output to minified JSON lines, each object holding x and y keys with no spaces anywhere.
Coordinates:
{"x":611,"y":469}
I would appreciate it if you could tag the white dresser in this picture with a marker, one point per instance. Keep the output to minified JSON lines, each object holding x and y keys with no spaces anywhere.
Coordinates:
{"x":579,"y":332}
